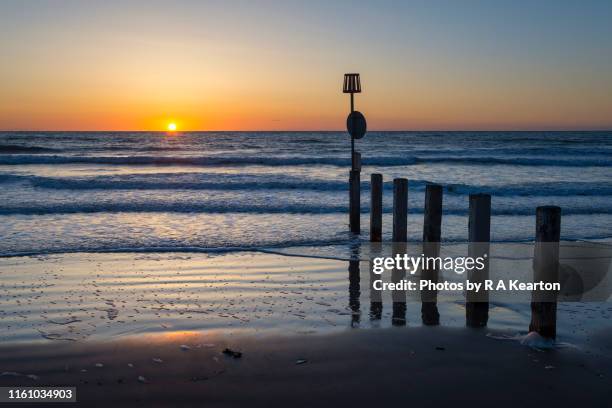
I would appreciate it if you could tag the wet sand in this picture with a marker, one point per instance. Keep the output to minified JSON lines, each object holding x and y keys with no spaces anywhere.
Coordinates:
{"x":150,"y":330}
{"x":414,"y":366}
{"x":89,"y":296}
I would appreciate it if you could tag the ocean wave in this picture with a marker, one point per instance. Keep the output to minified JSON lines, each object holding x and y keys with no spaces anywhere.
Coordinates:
{"x":251,"y":208}
{"x":566,"y":161}
{"x":270,"y":249}
{"x":520,"y":161}
{"x":177,"y":181}
{"x":334,"y":248}
{"x":298,"y":145}
{"x":18,"y":149}
{"x":252,"y":181}
{"x":557,"y":189}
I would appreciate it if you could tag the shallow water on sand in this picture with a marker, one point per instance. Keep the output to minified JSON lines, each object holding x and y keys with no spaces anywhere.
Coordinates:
{"x":85,"y":296}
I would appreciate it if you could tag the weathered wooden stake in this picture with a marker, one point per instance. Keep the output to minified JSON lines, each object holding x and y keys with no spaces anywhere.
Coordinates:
{"x":546,"y":269}
{"x":356,"y":161}
{"x":400,"y":210}
{"x":479,"y":236}
{"x":432,"y":222}
{"x":354,"y":201}
{"x":376,"y":209}
{"x":432,"y":231}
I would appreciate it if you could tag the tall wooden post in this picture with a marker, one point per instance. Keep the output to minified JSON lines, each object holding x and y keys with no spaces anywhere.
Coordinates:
{"x":479,"y":236}
{"x":376,"y":207}
{"x":400,"y":210}
{"x":354,"y":201}
{"x":546,"y":269}
{"x":432,"y":231}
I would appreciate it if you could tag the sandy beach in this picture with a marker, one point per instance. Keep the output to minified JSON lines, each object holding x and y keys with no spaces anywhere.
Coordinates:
{"x":422,"y":366}
{"x":306,"y":204}
{"x":151,"y":329}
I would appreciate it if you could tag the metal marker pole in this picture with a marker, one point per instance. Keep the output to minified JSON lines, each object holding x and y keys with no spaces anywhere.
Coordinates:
{"x":352,"y":138}
{"x":356,"y":126}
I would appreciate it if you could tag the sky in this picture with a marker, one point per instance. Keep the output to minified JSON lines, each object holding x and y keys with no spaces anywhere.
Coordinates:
{"x":279,"y":65}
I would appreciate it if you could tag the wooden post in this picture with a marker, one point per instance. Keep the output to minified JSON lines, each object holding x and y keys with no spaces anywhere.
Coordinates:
{"x":356,"y":161}
{"x":479,"y":236}
{"x":432,"y":228}
{"x":400,"y":210}
{"x":376,"y":202}
{"x":479,"y":227}
{"x":546,"y":269}
{"x":354,"y":201}
{"x":432,"y":222}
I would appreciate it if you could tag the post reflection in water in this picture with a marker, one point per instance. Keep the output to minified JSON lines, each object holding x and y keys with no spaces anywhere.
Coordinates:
{"x":398,"y":296}
{"x":429,"y":298}
{"x":376,"y":304}
{"x":379,"y":294}
{"x":354,"y":287}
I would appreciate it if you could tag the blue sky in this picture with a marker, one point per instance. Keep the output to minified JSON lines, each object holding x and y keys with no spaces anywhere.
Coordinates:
{"x":436,"y":64}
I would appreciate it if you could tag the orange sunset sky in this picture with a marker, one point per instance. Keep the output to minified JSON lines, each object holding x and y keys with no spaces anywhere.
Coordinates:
{"x":69,"y":65}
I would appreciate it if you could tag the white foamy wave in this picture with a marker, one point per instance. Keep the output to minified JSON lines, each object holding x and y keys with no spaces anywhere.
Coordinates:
{"x":253,"y":181}
{"x":533,"y":340}
{"x":222,"y":207}
{"x":300,"y":160}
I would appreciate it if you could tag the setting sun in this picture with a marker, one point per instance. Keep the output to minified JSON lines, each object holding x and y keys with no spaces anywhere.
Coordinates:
{"x":171,"y":127}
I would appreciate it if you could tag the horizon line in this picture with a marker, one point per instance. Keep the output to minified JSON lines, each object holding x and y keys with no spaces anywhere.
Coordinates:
{"x":307,"y":130}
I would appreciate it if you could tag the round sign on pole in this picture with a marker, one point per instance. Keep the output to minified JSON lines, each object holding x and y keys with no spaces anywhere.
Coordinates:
{"x":356,"y":124}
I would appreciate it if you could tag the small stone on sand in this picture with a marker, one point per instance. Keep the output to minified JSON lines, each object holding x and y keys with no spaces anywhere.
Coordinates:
{"x":232,"y":353}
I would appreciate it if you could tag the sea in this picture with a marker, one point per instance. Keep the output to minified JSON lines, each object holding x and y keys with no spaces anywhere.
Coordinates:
{"x":107,"y":234}
{"x":65,"y":192}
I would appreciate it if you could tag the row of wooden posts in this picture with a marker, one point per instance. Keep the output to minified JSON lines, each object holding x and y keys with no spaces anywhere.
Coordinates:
{"x":546,"y":257}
